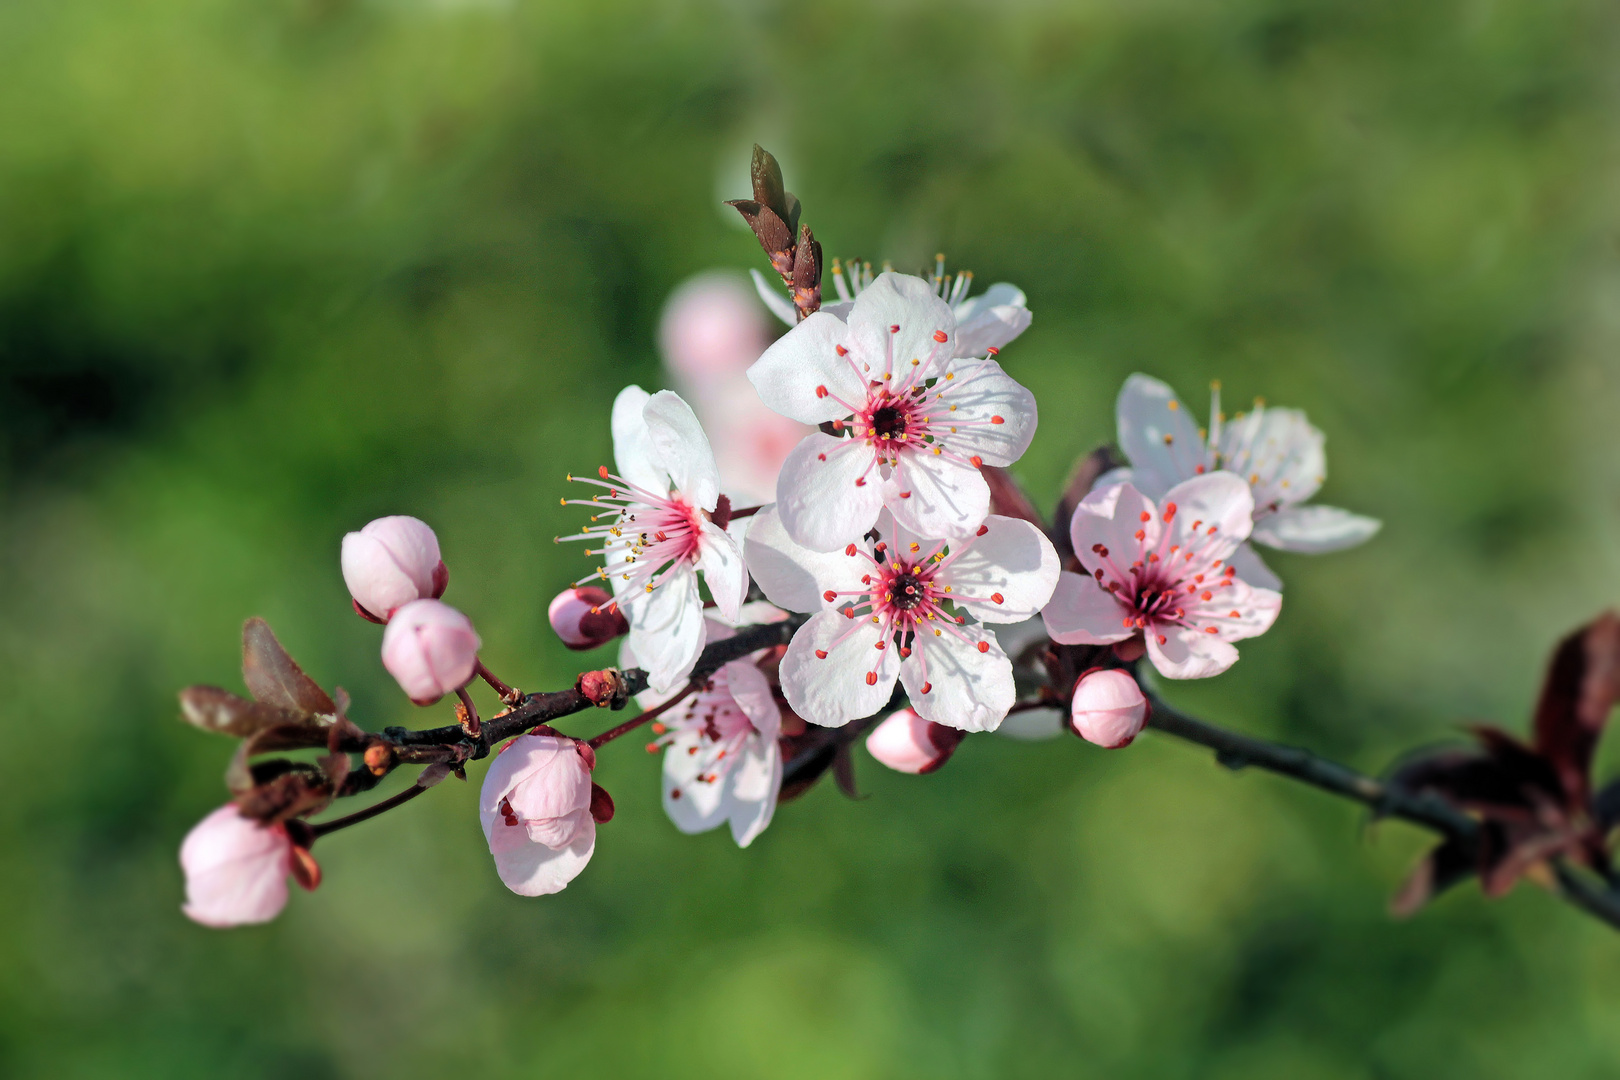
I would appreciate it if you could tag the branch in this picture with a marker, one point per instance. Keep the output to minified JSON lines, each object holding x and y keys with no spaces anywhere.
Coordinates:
{"x":1237,"y":751}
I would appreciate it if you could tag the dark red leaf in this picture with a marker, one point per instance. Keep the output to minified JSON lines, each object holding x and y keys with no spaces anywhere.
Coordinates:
{"x":843,"y":766}
{"x":1583,"y":683}
{"x":1443,"y":867}
{"x":601,"y":805}
{"x":274,"y":678}
{"x":213,"y":709}
{"x":1084,"y":474}
{"x":769,"y":190}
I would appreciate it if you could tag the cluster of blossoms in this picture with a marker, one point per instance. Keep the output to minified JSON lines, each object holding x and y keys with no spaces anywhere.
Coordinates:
{"x":869,"y":442}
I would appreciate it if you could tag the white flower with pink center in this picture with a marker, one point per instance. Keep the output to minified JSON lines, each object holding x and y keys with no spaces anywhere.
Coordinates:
{"x":662,"y":520}
{"x":984,"y":322}
{"x":1278,"y":451}
{"x":913,"y":422}
{"x":898,"y":607}
{"x":1163,"y":576}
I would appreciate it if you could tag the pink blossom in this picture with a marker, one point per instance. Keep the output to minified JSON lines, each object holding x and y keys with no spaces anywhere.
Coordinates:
{"x":907,"y":743}
{"x":1163,"y":576}
{"x":712,"y":326}
{"x":914,"y":422}
{"x":1108,"y":708}
{"x":585,"y":617}
{"x":391,"y":562}
{"x":536,"y":811}
{"x":236,"y":869}
{"x":431,"y":648}
{"x":665,"y":522}
{"x":897,"y":608}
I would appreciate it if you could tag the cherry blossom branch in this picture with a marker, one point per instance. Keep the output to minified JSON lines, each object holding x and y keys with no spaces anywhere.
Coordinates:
{"x":1236,"y":751}
{"x":319,"y":829}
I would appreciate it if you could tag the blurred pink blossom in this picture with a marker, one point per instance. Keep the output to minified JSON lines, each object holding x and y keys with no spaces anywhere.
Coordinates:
{"x":1108,"y":708}
{"x":236,"y":869}
{"x":391,"y":562}
{"x":585,"y":617}
{"x":907,"y":743}
{"x":536,"y":811}
{"x":431,"y":648}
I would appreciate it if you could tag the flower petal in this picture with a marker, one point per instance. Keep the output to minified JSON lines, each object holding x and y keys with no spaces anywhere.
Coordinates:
{"x":751,"y":690}
{"x":835,"y":689}
{"x":723,"y":570}
{"x":967,"y":689}
{"x":531,"y":869}
{"x":1012,"y":560}
{"x":1082,"y":612}
{"x":1314,"y":529}
{"x":790,"y":574}
{"x":682,"y":448}
{"x":751,"y":789}
{"x":818,"y":498}
{"x":1253,"y":569}
{"x":666,"y":627}
{"x":798,"y":364}
{"x":1110,"y":518}
{"x":1190,"y":654}
{"x":894,"y":321}
{"x":1158,"y":435}
{"x":781,"y":306}
{"x":633,"y":452}
{"x":990,"y":320}
{"x":1279,"y":452}
{"x":700,"y":806}
{"x":936,"y":497}
{"x":995,"y":415}
{"x":1213,"y":513}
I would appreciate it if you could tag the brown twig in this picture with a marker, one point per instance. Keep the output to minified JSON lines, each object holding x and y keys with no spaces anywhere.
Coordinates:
{"x":324,"y":827}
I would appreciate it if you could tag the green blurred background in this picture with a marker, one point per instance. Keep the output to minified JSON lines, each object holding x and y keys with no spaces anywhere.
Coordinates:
{"x":269,"y":269}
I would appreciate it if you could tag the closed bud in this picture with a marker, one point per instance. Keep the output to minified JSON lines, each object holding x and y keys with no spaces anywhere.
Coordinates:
{"x":538,"y":808}
{"x":391,"y":562}
{"x":604,"y":689}
{"x":907,"y":743}
{"x":431,"y":649}
{"x":236,"y":869}
{"x":586,"y":617}
{"x":1109,"y":708}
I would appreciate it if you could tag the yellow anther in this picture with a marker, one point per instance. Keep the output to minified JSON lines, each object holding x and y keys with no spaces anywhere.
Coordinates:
{"x":1168,"y":439}
{"x":1174,"y":404}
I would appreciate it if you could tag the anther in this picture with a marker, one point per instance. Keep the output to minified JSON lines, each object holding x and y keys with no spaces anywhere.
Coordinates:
{"x":821,"y":654}
{"x":1169,"y":512}
{"x":997,"y":420}
{"x":982,"y":530}
{"x":871,"y":676}
{"x":998,"y":598}
{"x":984,"y":646}
{"x":978,"y":462}
{"x":821,"y":391}
{"x":941,"y":336}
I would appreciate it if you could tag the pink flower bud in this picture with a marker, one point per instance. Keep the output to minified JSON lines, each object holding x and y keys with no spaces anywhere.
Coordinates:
{"x":1108,"y":708}
{"x":431,"y":648}
{"x":536,"y":808}
{"x":391,"y":562}
{"x":907,"y":743}
{"x":713,"y":326}
{"x":236,"y":869}
{"x":582,"y":618}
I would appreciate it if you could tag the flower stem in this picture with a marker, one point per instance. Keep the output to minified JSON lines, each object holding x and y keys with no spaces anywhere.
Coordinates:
{"x":630,"y":725}
{"x":509,"y":696}
{"x":324,"y":827}
{"x":468,"y":713}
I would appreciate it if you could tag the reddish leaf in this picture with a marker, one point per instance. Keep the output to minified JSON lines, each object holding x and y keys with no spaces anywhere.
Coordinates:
{"x":1583,"y":683}
{"x":1439,"y":870}
{"x":305,"y":870}
{"x":213,"y":709}
{"x":274,"y":678}
{"x":769,"y":190}
{"x":601,"y":805}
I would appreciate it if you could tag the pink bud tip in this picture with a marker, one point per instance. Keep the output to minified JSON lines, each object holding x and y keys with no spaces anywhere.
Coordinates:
{"x":236,"y":869}
{"x":391,"y":562}
{"x":430,"y":648}
{"x":586,"y":617}
{"x":907,"y":743}
{"x":1108,"y":708}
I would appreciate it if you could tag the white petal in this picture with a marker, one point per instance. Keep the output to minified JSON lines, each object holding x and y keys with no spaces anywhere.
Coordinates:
{"x":1279,"y":452}
{"x":906,"y":302}
{"x":1253,"y":569}
{"x":682,"y":448}
{"x":780,"y":305}
{"x":1190,"y":654}
{"x":531,"y":869}
{"x":1084,"y":613}
{"x":991,"y":320}
{"x":723,"y":570}
{"x":817,"y":495}
{"x":751,"y":690}
{"x":700,"y":806}
{"x":1218,"y":501}
{"x":802,"y":360}
{"x":1314,"y":529}
{"x":968,"y":689}
{"x":666,"y":628}
{"x":982,"y":393}
{"x":751,"y":789}
{"x":790,"y":574}
{"x":632,"y":445}
{"x":1148,"y":413}
{"x":1012,"y":559}
{"x":1032,"y":725}
{"x":936,"y":497}
{"x":1111,"y":517}
{"x":834,"y":690}
{"x":1256,"y":610}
